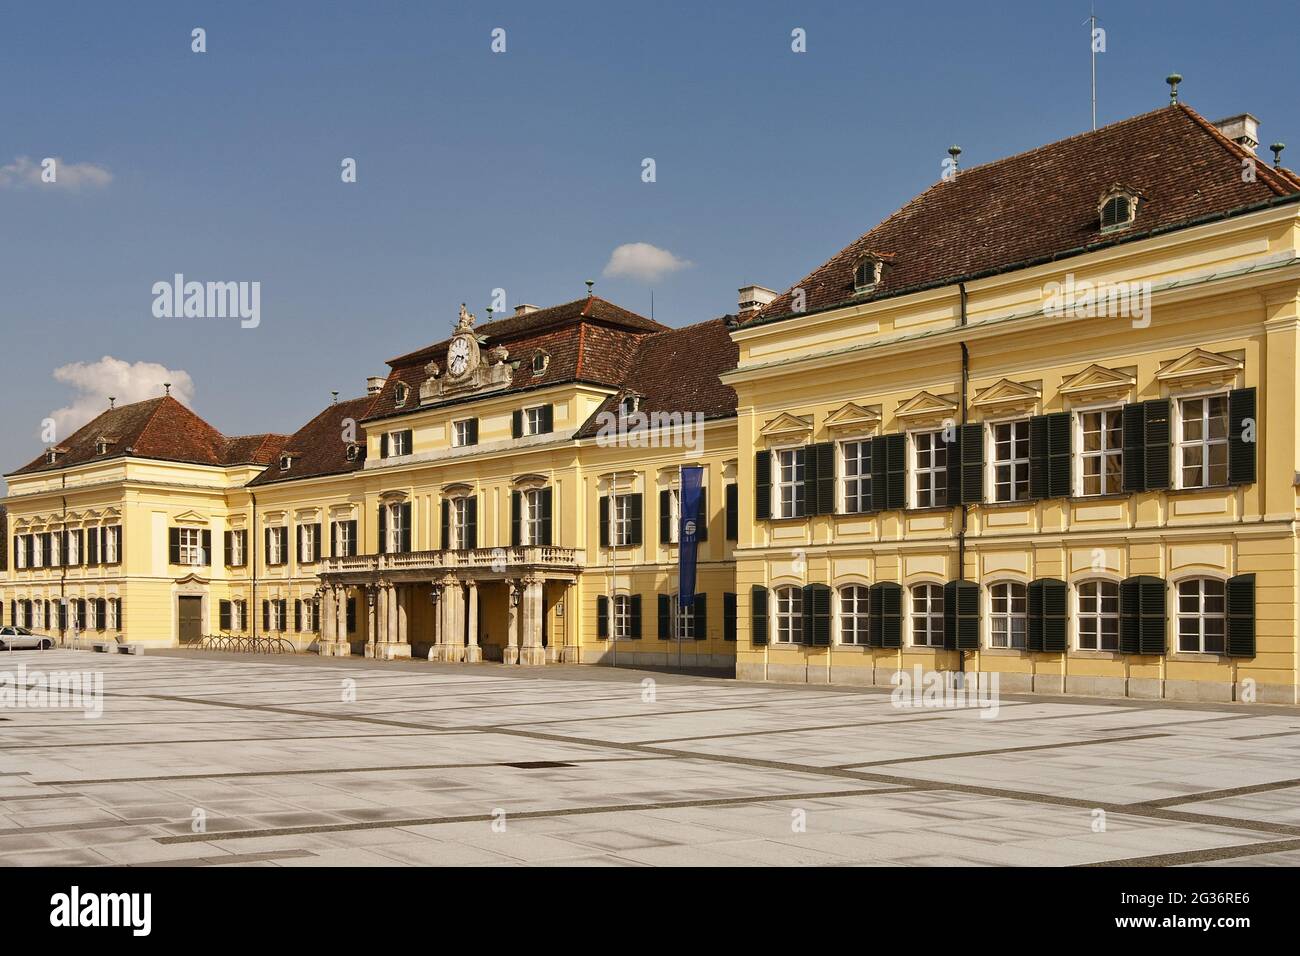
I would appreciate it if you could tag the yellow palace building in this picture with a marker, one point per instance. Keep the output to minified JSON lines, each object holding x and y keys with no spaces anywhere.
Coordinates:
{"x":1039,"y":425}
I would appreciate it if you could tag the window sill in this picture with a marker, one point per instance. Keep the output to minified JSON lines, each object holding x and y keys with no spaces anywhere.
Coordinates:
{"x":929,"y":509}
{"x":1019,"y":503}
{"x":1112,"y":496}
{"x":1207,"y":489}
{"x":1087,"y":655}
{"x":1195,"y":657}
{"x":1003,"y":651}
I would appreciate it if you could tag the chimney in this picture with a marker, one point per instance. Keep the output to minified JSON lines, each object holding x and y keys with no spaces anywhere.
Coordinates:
{"x":375,"y":384}
{"x":525,"y":309}
{"x":754,"y":297}
{"x":1242,"y":129}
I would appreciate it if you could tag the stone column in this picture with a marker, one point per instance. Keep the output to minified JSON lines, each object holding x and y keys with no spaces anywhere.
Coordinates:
{"x":369,"y":595}
{"x":531,"y":651}
{"x":393,"y":616}
{"x":341,"y":615}
{"x":435,"y":649}
{"x":571,"y":653}
{"x":403,"y":613}
{"x":510,"y":653}
{"x":473,"y":652}
{"x":453,"y":619}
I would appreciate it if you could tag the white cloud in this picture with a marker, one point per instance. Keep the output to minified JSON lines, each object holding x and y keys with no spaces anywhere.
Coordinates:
{"x":640,"y":260}
{"x":94,"y":382}
{"x":24,"y":171}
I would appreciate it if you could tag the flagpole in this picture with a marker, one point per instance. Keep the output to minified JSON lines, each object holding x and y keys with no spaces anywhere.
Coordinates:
{"x":681,"y":501}
{"x":613,"y":565}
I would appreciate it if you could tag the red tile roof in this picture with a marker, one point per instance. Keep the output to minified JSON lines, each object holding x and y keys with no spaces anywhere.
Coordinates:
{"x":160,"y":428}
{"x":319,"y":448}
{"x":1043,"y":205}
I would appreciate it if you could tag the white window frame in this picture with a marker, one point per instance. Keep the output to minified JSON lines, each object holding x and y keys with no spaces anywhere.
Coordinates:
{"x":393,"y":526}
{"x":92,"y":614}
{"x":343,"y":536}
{"x":236,"y":616}
{"x":236,"y":556}
{"x":38,"y":550}
{"x":1094,"y":612}
{"x":109,"y":542}
{"x":928,"y":621}
{"x":777,"y":484}
{"x":458,"y":517}
{"x":682,"y":623}
{"x":308,"y":546}
{"x":110,"y":613}
{"x":621,"y":617}
{"x":1201,"y":617}
{"x":856,"y":610}
{"x":1009,"y":615}
{"x":74,"y":550}
{"x":1205,"y":443}
{"x":620,"y":520}
{"x":530,"y":518}
{"x":191,"y":546}
{"x":862,"y":479}
{"x":308,"y":614}
{"x":532,"y":420}
{"x":916,"y":471}
{"x":1081,"y":456}
{"x":460,"y":433}
{"x":273,"y":615}
{"x":395,"y":438}
{"x":56,"y":551}
{"x":20,"y":553}
{"x":991,"y":437}
{"x":788,"y":620}
{"x":674,"y":515}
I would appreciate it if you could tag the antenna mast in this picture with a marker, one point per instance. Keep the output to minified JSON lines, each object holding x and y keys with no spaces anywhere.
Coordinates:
{"x":1092,"y":46}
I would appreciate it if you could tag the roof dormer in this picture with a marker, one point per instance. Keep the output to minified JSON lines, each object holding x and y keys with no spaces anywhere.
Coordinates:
{"x":869,"y":270}
{"x":1117,"y":208}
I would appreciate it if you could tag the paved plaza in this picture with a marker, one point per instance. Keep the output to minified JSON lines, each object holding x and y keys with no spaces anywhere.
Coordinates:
{"x":303,"y":761}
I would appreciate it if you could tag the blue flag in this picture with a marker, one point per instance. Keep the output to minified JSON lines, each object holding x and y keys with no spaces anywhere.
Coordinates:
{"x":688,"y":533}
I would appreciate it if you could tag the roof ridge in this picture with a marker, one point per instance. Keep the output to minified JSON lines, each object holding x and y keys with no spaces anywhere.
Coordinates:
{"x":1238,"y":151}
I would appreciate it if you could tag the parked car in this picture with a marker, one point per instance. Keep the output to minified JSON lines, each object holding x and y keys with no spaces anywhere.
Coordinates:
{"x":20,"y":638}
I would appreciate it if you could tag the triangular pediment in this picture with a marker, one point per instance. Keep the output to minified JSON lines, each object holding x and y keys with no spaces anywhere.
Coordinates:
{"x":1006,"y":395}
{"x":1201,"y":367}
{"x":852,"y":417}
{"x":1097,"y":381}
{"x":926,"y":405}
{"x":190,"y":517}
{"x":786,"y":425}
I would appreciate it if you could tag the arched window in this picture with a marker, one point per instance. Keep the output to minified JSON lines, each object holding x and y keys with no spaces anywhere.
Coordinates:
{"x":853,"y":614}
{"x":1117,"y":211}
{"x":1098,"y":616}
{"x":789,"y":615}
{"x":401,"y":393}
{"x":1009,"y":617}
{"x":927,"y":615}
{"x":866,"y":274}
{"x":1201,"y":617}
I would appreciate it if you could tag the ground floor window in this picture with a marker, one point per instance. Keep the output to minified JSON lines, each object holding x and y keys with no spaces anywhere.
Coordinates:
{"x":622,"y":617}
{"x":853,"y":614}
{"x":789,"y":615}
{"x":1009,"y":618}
{"x":927,"y":615}
{"x":1099,"y":616}
{"x":1201,"y":617}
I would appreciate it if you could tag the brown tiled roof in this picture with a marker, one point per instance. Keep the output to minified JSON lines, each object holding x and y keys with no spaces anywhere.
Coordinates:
{"x":318,"y":447}
{"x":587,"y":340}
{"x":1042,"y":205}
{"x":157,"y":428}
{"x":678,"y":371}
{"x":252,"y":449}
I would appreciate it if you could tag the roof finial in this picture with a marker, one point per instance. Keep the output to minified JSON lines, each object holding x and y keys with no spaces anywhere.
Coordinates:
{"x":954,"y":151}
{"x":1277,"y":153}
{"x":334,"y":396}
{"x":489,"y":312}
{"x":112,"y":402}
{"x":167,"y":388}
{"x":1173,"y":79}
{"x":590,"y":283}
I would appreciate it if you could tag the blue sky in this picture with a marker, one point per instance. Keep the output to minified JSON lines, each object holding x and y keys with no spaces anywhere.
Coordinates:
{"x":519,"y":170}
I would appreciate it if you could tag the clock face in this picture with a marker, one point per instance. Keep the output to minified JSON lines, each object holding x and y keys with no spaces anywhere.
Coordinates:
{"x":458,"y":356}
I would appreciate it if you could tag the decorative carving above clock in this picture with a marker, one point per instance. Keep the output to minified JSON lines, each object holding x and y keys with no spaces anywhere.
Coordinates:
{"x":466,"y":370}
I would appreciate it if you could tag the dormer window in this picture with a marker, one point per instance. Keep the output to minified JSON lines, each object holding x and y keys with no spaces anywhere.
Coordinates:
{"x":285,"y":462}
{"x":101,"y":447}
{"x":540,"y":361}
{"x":866,"y":274}
{"x":1117,"y":211}
{"x":400,"y":394}
{"x":354,"y":452}
{"x":628,"y":405}
{"x":51,"y":457}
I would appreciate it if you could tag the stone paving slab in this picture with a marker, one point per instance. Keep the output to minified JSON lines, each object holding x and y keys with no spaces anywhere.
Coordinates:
{"x":298,"y":761}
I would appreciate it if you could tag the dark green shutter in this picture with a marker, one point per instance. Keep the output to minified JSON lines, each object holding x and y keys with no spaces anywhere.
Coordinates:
{"x":1046,"y":616}
{"x":762,"y":485}
{"x":173,"y":548}
{"x":604,"y":521}
{"x":223,"y":614}
{"x":805,"y":494}
{"x":1134,"y":447}
{"x":545,"y":497}
{"x":665,"y":617}
{"x":733,"y":513}
{"x":702,"y":517}
{"x":823,"y":498}
{"x":1142,"y":615}
{"x":1241,"y":453}
{"x":729,"y":614}
{"x":701,"y":612}
{"x":316,"y":542}
{"x":352,"y":615}
{"x":970,"y":455}
{"x":266,"y":616}
{"x":665,"y":516}
{"x":758,"y":616}
{"x":297,"y":615}
{"x":889,"y":473}
{"x":1240,"y":594}
{"x":602,"y":617}
{"x":383,"y":529}
{"x":961,"y":615}
{"x":334,"y":539}
{"x":1034,"y":608}
{"x":635,"y":505}
{"x":517,"y":423}
{"x":1155,"y":416}
{"x":471,"y":432}
{"x":516,"y":508}
{"x":353,"y":541}
{"x":405,"y":543}
{"x":383,"y":445}
{"x":634,"y":617}
{"x":471,"y":522}
{"x":885,"y":615}
{"x":817,"y":615}
{"x":446,"y":524}
{"x":548,"y":419}
{"x":1049,"y":455}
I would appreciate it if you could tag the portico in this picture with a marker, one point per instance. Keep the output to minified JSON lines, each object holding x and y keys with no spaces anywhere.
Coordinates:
{"x":454,"y":606}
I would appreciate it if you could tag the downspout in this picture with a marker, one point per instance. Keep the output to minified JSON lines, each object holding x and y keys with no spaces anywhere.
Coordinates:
{"x":252,"y":558}
{"x":63,"y":561}
{"x":961,"y":531}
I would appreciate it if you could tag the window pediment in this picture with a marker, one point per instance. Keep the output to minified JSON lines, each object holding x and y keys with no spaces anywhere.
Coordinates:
{"x":529,"y":482}
{"x":787,"y":428}
{"x":1199,"y":367}
{"x":852,"y":417}
{"x":1007,"y":396}
{"x":186,"y":517}
{"x":926,"y":407}
{"x":1097,"y":382}
{"x":459,"y":489}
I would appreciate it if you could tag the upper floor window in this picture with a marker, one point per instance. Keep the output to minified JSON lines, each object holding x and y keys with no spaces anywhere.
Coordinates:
{"x":927,"y":615}
{"x":1202,"y":619}
{"x":275,"y":546}
{"x":789,"y":465}
{"x":101,"y":447}
{"x":1010,"y":615}
{"x":345,"y":539}
{"x":854,"y":606}
{"x":396,"y":530}
{"x":1203,"y":441}
{"x":74,"y":548}
{"x":396,"y":444}
{"x":112,"y":538}
{"x":1011,"y":460}
{"x":464,"y":432}
{"x":532,"y":521}
{"x":1101,"y":452}
{"x":1117,"y":211}
{"x":622,"y":511}
{"x":285,"y":462}
{"x":931,"y":471}
{"x":308,"y":546}
{"x":191,"y":540}
{"x":51,"y":456}
{"x":856,"y":483}
{"x":1098,"y":616}
{"x":789,"y":615}
{"x":460,"y":522}
{"x":354,"y":451}
{"x":238,"y":540}
{"x":535,"y":420}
